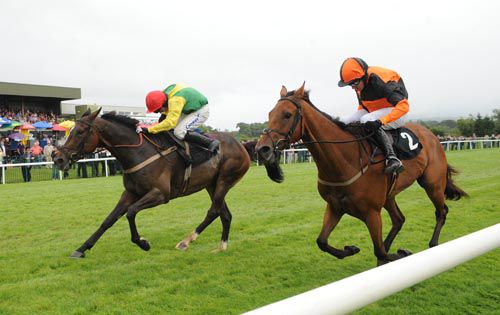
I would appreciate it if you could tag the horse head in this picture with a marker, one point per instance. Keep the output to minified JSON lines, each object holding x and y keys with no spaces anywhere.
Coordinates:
{"x":82,"y":139}
{"x":284,"y":128}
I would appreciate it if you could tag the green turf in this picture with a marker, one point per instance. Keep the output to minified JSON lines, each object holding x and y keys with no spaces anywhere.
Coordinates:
{"x":272,"y":252}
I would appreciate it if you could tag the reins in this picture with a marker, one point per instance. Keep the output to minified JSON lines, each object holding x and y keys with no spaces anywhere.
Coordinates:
{"x":298,"y":117}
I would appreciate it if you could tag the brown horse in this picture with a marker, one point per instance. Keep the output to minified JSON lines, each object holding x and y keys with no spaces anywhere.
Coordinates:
{"x":347,"y":180}
{"x":151,"y":177}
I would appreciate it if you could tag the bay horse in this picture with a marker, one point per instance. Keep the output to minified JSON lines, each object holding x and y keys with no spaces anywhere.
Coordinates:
{"x":151,"y":177}
{"x":347,"y":180}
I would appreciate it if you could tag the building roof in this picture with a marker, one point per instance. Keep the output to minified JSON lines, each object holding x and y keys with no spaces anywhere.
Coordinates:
{"x":20,"y":89}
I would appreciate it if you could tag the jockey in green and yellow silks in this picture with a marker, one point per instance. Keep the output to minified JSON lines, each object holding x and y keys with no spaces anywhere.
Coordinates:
{"x":183,"y":109}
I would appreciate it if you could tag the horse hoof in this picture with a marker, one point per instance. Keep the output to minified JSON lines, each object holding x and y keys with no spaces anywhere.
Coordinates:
{"x":144,"y":244}
{"x":76,"y":254}
{"x":351,"y":250}
{"x":404,"y":253}
{"x":181,"y":246}
{"x":221,"y":248}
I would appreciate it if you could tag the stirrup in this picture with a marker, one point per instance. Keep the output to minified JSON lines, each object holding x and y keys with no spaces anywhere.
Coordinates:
{"x":394,"y":167}
{"x":214,"y":146}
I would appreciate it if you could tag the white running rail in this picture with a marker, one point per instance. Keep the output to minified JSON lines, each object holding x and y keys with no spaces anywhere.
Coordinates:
{"x":354,"y":292}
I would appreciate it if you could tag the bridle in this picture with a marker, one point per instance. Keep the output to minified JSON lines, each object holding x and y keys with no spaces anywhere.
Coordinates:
{"x":288,"y":135}
{"x":296,"y":119}
{"x":79,"y":151}
{"x":75,"y":153}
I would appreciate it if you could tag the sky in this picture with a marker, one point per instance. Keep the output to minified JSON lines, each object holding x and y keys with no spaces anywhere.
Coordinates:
{"x":240,"y":53}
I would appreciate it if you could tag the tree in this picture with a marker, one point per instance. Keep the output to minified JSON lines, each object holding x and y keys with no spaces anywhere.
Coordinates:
{"x":496,"y":120}
{"x":466,"y":126}
{"x":250,"y":131}
{"x":483,"y":126}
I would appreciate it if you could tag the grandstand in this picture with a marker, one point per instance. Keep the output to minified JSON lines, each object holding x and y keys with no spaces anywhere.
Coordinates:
{"x":41,"y":98}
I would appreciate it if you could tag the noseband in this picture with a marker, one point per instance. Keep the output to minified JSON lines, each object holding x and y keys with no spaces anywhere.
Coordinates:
{"x":78,"y":152}
{"x":288,"y":135}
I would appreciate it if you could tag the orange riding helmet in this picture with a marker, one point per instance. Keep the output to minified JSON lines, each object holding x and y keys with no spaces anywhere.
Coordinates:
{"x":352,"y":70}
{"x":155,"y":100}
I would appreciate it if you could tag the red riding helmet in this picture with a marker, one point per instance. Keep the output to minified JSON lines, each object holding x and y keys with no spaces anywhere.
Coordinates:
{"x":155,"y":100}
{"x":352,"y":70}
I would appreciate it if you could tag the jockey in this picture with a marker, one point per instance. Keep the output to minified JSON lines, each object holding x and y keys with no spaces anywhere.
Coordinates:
{"x":183,"y":109}
{"x":383,"y":104}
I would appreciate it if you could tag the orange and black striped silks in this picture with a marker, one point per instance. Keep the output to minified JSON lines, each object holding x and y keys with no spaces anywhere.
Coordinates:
{"x":384,"y":88}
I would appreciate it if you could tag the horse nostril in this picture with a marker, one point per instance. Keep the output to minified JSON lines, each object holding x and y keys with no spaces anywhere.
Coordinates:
{"x":264,"y":149}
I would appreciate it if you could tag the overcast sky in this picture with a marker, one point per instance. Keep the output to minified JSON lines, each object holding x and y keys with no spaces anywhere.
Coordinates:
{"x":239,"y":53}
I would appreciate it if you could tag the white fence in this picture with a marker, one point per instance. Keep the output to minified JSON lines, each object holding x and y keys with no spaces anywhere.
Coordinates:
{"x":9,"y":167}
{"x":303,"y":155}
{"x":354,"y":292}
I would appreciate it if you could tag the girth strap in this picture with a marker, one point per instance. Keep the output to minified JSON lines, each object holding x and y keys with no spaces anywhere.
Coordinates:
{"x":345,"y":183}
{"x":150,"y":160}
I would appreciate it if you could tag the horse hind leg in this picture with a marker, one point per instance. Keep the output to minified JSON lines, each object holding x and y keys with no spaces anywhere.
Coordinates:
{"x":435,"y":192}
{"x":440,"y":213}
{"x":212,"y":214}
{"x":397,"y":220}
{"x":330,"y":220}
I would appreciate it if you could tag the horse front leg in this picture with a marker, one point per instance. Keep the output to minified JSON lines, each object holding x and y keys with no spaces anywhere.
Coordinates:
{"x":330,"y":220}
{"x":374,"y":223}
{"x":119,"y":210}
{"x":397,"y":220}
{"x":151,"y":199}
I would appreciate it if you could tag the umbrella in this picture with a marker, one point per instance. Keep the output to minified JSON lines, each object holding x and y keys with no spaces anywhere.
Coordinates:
{"x":5,"y":121}
{"x":68,"y":124}
{"x":42,"y":125}
{"x":14,"y":123}
{"x":17,"y":136}
{"x":57,"y":127}
{"x":26,"y":126}
{"x":10,"y":126}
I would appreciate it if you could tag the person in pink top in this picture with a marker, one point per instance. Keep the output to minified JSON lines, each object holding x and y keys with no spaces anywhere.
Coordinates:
{"x":36,"y":150}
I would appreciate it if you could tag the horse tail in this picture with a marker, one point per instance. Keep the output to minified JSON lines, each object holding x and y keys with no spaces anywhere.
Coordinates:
{"x":452,"y":191}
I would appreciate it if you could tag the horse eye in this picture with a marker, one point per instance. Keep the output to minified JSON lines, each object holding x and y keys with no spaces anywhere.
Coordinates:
{"x":287,"y":115}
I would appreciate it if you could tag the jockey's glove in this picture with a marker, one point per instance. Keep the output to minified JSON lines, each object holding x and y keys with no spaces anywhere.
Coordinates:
{"x":141,"y":129}
{"x":373,"y":125}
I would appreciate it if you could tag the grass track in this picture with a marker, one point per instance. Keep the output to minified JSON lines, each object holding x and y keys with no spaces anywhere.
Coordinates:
{"x":272,"y":252}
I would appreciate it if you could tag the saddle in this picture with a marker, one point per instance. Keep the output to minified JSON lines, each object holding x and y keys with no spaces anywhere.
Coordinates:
{"x":405,"y":143}
{"x":192,"y":154}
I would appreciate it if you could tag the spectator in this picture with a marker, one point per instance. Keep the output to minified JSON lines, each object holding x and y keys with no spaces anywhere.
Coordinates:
{"x":25,"y":157}
{"x":36,"y":152}
{"x":3,"y":153}
{"x":47,"y":152}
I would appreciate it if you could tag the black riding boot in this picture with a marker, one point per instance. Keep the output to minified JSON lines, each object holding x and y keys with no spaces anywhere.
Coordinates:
{"x":211,"y":144}
{"x":392,"y":163}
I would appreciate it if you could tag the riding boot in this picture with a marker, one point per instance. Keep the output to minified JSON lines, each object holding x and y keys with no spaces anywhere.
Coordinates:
{"x":392,"y":164}
{"x":211,"y":144}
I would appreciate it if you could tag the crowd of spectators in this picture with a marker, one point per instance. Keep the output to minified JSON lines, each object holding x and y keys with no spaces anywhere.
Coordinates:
{"x":29,"y":116}
{"x":462,"y":138}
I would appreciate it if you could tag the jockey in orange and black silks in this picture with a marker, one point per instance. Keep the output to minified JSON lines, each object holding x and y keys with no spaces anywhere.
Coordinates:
{"x":383,"y":103}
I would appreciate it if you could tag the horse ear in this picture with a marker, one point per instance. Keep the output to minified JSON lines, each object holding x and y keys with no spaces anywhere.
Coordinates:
{"x":283,"y":91}
{"x":299,"y":93}
{"x":94,"y":114}
{"x":87,"y":112}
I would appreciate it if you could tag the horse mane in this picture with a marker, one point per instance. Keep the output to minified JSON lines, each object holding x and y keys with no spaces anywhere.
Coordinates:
{"x":355,"y":128}
{"x":124,"y":120}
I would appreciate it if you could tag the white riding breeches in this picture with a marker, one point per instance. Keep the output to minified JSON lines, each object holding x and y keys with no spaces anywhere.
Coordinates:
{"x":191,"y":121}
{"x":363,"y":116}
